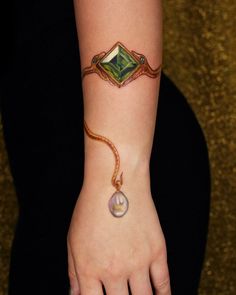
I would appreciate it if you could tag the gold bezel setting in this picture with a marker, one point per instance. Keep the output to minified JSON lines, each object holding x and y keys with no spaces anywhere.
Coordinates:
{"x":116,"y":69}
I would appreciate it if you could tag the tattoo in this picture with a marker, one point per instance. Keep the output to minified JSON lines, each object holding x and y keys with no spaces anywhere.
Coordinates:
{"x":119,"y":66}
{"x":118,"y":203}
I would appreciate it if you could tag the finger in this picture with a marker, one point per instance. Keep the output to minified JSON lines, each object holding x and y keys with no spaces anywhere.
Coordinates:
{"x":160,"y":277}
{"x":116,"y":287}
{"x":90,"y":286}
{"x":140,"y":283}
{"x":74,"y":284}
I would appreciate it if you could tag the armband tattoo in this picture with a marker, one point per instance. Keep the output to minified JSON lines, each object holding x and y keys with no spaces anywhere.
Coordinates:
{"x":118,"y":203}
{"x":119,"y":66}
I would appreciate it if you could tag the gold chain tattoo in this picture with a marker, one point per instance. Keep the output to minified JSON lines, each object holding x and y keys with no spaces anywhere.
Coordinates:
{"x":116,"y":183}
{"x":118,"y":203}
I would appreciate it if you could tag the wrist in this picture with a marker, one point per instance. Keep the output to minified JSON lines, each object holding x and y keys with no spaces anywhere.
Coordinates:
{"x":100,"y":164}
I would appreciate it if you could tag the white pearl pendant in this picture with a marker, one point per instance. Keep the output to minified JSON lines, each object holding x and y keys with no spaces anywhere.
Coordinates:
{"x":118,"y":204}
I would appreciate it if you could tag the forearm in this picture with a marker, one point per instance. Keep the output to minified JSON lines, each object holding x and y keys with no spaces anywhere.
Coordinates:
{"x":104,"y":251}
{"x":125,"y":115}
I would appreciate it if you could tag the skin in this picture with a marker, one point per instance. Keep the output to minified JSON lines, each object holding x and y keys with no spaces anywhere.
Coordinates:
{"x":102,"y":249}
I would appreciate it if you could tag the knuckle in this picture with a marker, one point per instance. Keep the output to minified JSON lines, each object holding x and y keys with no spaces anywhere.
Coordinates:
{"x":113,"y":270}
{"x":71,"y":275}
{"x":84,"y":270}
{"x":160,"y":253}
{"x":134,"y":263}
{"x":141,"y":264}
{"x":163,"y":284}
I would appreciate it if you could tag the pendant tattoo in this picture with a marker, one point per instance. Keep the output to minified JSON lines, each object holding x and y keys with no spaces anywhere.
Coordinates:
{"x":118,"y":203}
{"x":119,"y":66}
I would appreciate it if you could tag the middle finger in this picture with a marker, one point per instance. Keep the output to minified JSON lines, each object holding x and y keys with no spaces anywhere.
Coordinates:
{"x":116,"y":287}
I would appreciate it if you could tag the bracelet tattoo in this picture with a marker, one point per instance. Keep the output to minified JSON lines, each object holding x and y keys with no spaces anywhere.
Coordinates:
{"x":118,"y":66}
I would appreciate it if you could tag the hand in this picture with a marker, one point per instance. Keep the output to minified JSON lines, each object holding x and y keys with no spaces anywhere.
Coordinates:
{"x":103,"y":249}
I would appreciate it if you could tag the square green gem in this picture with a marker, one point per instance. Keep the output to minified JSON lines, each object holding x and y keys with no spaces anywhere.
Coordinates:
{"x":119,"y":64}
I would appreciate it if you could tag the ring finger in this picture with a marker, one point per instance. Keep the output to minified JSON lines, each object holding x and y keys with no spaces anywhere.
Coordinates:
{"x":140,"y":283}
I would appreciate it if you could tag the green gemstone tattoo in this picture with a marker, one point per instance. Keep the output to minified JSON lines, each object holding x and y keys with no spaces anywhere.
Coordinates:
{"x":119,"y":66}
